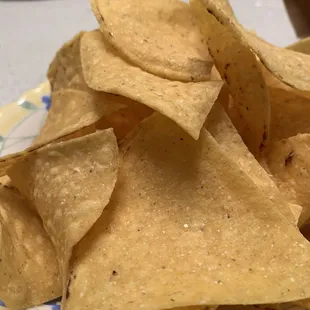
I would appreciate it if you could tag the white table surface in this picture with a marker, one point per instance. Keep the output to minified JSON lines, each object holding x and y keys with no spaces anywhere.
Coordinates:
{"x":32,"y":31}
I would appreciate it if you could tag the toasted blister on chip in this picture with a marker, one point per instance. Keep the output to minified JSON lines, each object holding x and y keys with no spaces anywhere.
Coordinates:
{"x":188,"y":104}
{"x":288,"y":161}
{"x":301,"y":46}
{"x":223,"y":131}
{"x":185,"y":226}
{"x":80,"y":175}
{"x":290,"y":110}
{"x":240,"y":69}
{"x":161,"y":37}
{"x":29,"y":273}
{"x":289,"y":66}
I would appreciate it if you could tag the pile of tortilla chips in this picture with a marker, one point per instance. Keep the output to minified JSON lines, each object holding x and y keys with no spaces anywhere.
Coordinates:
{"x":172,"y":171}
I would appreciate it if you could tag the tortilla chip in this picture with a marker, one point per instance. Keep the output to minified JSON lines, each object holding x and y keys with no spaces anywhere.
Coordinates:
{"x":290,"y":67}
{"x":288,"y":161}
{"x":29,"y":272}
{"x":80,"y":175}
{"x":72,"y":110}
{"x":240,"y":69}
{"x":190,"y":308}
{"x":188,"y":104}
{"x":223,"y":131}
{"x":301,"y":46}
{"x":290,"y":112}
{"x":125,"y":120}
{"x":303,"y":303}
{"x":161,"y":246}
{"x":161,"y":37}
{"x":65,"y":70}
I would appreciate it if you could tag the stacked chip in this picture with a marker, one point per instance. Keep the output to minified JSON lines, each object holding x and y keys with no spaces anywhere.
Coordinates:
{"x":171,"y":171}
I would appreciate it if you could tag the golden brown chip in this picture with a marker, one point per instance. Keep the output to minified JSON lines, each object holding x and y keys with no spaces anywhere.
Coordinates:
{"x":65,"y":70}
{"x":290,"y":112}
{"x":69,"y":183}
{"x":161,"y":37}
{"x":223,"y":131}
{"x":303,"y":303}
{"x":185,"y":226}
{"x":72,"y":110}
{"x":125,"y":120}
{"x":188,"y":104}
{"x":240,"y":69}
{"x":288,"y":161}
{"x":29,"y":272}
{"x":288,"y":66}
{"x":301,"y":46}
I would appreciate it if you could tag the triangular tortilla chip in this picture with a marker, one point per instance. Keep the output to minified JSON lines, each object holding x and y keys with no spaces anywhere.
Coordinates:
{"x":288,"y":161}
{"x":288,"y":66}
{"x":223,"y":131}
{"x":240,"y":69}
{"x":188,"y":104}
{"x":80,"y":175}
{"x":29,"y":272}
{"x":65,"y":70}
{"x":290,"y":112}
{"x":161,"y":37}
{"x":185,"y":226}
{"x":72,"y":110}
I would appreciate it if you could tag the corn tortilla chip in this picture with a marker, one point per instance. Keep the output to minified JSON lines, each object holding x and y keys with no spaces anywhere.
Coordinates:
{"x":303,"y":303}
{"x":290,"y":67}
{"x":301,"y":46}
{"x":223,"y":131}
{"x":65,"y":70}
{"x":161,"y":37}
{"x":29,"y":272}
{"x":196,"y":249}
{"x":288,"y":161}
{"x":188,"y":104}
{"x":240,"y":69}
{"x":80,"y":174}
{"x":72,"y":110}
{"x":125,"y":120}
{"x":289,"y":113}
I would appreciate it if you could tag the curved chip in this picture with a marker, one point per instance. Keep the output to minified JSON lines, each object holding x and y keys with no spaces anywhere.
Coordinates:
{"x":288,"y":66}
{"x":188,"y":104}
{"x":159,"y":36}
{"x":223,"y":131}
{"x":288,"y":161}
{"x":301,"y":46}
{"x":80,"y":175}
{"x":175,"y":249}
{"x":65,"y":70}
{"x":290,"y":110}
{"x":29,"y":273}
{"x":240,"y":69}
{"x":73,"y":110}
